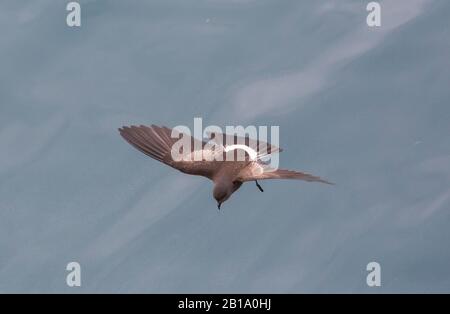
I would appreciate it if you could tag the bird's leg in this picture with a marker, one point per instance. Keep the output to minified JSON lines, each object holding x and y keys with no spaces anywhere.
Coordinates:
{"x":259,"y":187}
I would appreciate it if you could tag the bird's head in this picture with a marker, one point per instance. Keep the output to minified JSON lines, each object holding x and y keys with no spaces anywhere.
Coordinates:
{"x":223,"y":190}
{"x":221,"y":194}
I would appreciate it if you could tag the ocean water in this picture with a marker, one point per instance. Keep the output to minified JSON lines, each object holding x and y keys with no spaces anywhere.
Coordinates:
{"x":367,"y":108}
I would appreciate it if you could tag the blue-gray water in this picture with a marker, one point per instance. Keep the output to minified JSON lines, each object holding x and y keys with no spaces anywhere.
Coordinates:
{"x":367,"y":108}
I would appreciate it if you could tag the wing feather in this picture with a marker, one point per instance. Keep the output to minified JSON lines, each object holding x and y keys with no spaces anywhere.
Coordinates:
{"x":156,"y":142}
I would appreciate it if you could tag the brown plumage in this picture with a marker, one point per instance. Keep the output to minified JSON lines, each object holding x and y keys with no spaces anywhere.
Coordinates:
{"x":227,"y":176}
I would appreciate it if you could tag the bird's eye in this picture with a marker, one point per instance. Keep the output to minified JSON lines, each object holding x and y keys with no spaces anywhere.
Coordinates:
{"x":236,"y":184}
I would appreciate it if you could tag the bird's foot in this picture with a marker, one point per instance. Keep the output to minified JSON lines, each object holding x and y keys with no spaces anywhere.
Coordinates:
{"x":259,"y":186}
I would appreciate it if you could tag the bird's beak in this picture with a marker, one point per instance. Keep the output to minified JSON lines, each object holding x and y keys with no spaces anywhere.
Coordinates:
{"x":218,"y":205}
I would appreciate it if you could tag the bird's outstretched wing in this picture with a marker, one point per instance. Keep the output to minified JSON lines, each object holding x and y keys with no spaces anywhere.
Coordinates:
{"x":156,"y":142}
{"x":153,"y":141}
{"x":257,"y":171}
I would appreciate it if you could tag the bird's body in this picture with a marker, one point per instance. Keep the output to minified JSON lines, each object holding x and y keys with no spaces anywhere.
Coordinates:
{"x":227,"y":175}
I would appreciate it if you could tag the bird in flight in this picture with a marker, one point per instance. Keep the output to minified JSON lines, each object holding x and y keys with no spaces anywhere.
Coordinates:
{"x":227,"y":176}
